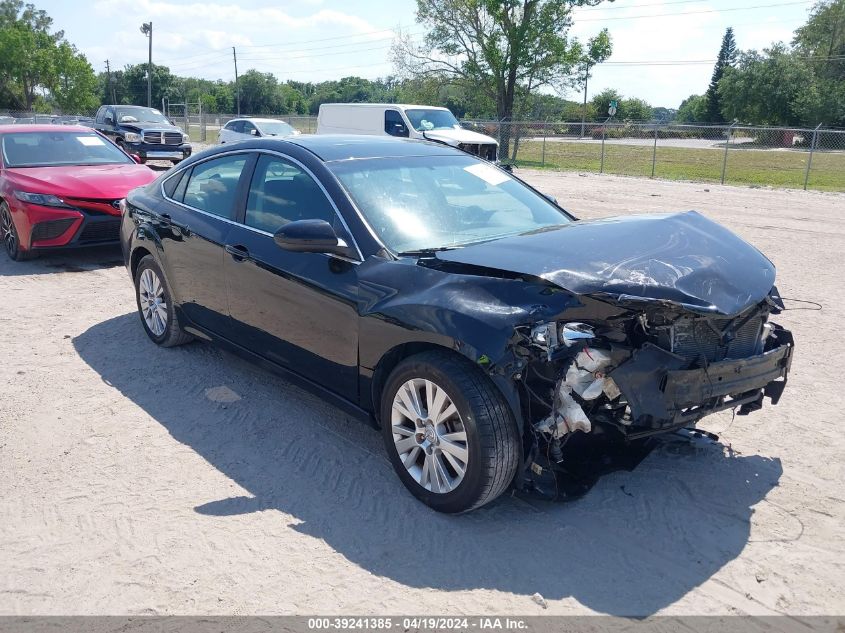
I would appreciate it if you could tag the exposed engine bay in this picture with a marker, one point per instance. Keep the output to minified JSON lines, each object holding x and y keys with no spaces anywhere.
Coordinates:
{"x":646,"y":373}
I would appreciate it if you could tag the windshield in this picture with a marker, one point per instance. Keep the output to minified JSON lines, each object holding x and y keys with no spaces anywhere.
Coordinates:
{"x":275,"y":128}
{"x":435,"y":202}
{"x":424,"y":120}
{"x":52,"y":149}
{"x":137,"y":115}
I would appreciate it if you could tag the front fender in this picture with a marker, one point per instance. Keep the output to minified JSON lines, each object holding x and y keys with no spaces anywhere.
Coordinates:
{"x":403,"y":304}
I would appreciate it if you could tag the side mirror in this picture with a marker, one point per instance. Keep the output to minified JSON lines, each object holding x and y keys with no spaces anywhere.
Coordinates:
{"x":310,"y":236}
{"x":254,"y":132}
{"x":551,"y":199}
{"x":136,"y":158}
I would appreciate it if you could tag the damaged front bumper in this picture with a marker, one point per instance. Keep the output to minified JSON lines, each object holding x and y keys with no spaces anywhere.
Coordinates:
{"x":663,"y":396}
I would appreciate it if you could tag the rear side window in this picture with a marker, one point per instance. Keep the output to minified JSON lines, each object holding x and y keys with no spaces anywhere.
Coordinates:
{"x":282,"y":192}
{"x":235,"y":126}
{"x":213,"y":185}
{"x":393,"y":123}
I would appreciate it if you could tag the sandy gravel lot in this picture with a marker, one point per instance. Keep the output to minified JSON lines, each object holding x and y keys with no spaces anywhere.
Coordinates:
{"x":137,"y":480}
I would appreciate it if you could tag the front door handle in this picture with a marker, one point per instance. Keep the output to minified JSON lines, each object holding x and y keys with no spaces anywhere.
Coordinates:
{"x":238,"y":253}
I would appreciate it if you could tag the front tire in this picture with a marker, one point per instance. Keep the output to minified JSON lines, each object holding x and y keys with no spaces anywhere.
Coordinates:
{"x":449,"y":433}
{"x":10,"y":237}
{"x":155,"y":305}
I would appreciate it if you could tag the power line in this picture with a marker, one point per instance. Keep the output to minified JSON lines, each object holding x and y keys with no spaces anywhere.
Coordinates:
{"x":670,"y":15}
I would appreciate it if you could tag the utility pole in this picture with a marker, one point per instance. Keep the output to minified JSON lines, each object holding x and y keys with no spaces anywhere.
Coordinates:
{"x":584,"y":107}
{"x":147,"y":29}
{"x":109,"y":85}
{"x":237,"y":85}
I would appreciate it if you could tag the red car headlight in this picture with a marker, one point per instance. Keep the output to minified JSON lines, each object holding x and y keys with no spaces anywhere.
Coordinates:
{"x":43,"y":199}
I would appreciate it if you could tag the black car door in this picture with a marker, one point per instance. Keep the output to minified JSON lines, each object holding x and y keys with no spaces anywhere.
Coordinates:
{"x":295,"y":309}
{"x":193,"y":230}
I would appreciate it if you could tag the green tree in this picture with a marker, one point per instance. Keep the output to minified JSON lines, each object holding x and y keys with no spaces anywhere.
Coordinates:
{"x":727,"y":58}
{"x":27,"y":48}
{"x":821,"y":42}
{"x":693,"y":109}
{"x":765,"y":88}
{"x":133,"y":88}
{"x":634,"y":109}
{"x":601,"y":102}
{"x":599,"y":49}
{"x":500,"y":47}
{"x":73,"y":85}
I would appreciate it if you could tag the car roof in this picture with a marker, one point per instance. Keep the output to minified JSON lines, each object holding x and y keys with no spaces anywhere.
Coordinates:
{"x":45,"y":127}
{"x":257,"y":118}
{"x":401,"y":106}
{"x":331,"y":147}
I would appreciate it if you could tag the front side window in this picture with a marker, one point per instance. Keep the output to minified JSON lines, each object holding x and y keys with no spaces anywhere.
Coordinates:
{"x":432,"y":202}
{"x":282,"y":192}
{"x":213,"y":185}
{"x":393,"y":123}
{"x":248,"y":127}
{"x":424,"y":120}
{"x":53,"y":149}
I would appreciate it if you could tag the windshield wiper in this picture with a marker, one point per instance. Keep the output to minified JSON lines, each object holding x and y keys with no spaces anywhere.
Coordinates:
{"x":422,"y":252}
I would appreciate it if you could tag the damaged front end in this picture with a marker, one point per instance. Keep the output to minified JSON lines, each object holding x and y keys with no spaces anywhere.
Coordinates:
{"x":654,"y":368}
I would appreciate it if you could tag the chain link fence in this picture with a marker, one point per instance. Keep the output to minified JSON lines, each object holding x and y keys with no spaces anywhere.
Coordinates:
{"x":800,"y":158}
{"x":736,"y":154}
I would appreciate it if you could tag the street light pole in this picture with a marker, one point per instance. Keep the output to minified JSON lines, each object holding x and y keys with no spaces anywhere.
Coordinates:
{"x":147,"y":29}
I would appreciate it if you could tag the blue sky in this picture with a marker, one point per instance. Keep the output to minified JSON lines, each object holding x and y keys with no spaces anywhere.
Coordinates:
{"x":313,"y":40}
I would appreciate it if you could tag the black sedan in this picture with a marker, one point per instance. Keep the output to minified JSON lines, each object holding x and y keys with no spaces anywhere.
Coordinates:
{"x":476,"y":322}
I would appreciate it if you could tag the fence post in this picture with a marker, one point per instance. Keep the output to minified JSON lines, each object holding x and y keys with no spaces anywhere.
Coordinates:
{"x":810,"y":158}
{"x":654,"y":152}
{"x":603,"y":134}
{"x":727,"y":145}
{"x":543,"y":160}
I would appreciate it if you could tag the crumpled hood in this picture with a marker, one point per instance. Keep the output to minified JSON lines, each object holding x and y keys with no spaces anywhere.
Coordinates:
{"x":683,"y":258}
{"x":83,"y":181}
{"x":460,"y":135}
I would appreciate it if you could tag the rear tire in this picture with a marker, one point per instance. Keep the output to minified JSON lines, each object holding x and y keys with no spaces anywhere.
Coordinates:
{"x":155,"y":305}
{"x":10,"y":237}
{"x":462,"y":431}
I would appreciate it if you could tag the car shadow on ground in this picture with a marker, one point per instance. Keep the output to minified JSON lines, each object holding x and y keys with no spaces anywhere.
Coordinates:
{"x":77,"y":260}
{"x":636,"y":543}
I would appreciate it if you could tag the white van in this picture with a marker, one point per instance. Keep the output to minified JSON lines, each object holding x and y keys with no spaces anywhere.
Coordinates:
{"x":411,"y":121}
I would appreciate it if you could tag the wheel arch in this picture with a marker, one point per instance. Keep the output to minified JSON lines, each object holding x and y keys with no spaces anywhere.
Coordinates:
{"x":395,"y":355}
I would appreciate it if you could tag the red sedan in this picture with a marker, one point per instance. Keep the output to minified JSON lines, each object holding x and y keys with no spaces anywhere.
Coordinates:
{"x":61,"y":187}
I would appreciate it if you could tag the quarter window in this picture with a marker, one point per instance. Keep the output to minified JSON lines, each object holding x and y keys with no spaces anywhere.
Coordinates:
{"x":213,"y":185}
{"x":281,"y":192}
{"x":172,"y":183}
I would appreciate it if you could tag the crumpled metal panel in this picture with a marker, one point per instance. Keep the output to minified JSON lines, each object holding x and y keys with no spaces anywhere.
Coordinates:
{"x":681,"y":258}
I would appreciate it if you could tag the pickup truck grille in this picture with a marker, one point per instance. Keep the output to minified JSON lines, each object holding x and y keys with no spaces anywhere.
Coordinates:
{"x":163,"y":138}
{"x":693,"y":339}
{"x":482,"y":150}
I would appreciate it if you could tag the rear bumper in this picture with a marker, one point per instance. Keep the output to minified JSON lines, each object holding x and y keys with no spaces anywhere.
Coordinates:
{"x":663,"y":395}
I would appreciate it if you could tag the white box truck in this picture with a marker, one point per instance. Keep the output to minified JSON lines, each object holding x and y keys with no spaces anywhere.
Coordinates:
{"x":410,"y":121}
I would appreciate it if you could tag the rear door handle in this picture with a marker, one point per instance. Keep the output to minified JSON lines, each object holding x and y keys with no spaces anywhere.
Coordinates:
{"x":238,"y":253}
